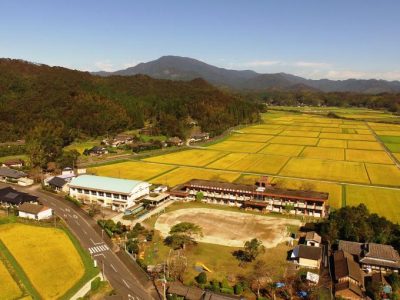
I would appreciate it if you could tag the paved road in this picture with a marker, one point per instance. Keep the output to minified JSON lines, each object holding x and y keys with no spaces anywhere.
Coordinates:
{"x":127,"y":282}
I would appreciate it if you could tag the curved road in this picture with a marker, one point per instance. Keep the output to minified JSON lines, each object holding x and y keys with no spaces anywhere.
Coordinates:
{"x":126,"y":278}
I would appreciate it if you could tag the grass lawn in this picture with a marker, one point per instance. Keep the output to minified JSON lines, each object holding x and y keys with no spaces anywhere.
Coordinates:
{"x":326,"y":169}
{"x":12,"y":157}
{"x":131,"y":170}
{"x":383,"y":174}
{"x":371,"y":156}
{"x":385,"y":202}
{"x":238,"y":146}
{"x":184,"y":174}
{"x":195,"y":157}
{"x":9,"y":288}
{"x":47,"y":256}
{"x":81,"y":146}
{"x":323,"y":153}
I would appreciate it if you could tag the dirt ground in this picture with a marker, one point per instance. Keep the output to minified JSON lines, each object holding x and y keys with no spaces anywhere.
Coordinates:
{"x":229,"y":228}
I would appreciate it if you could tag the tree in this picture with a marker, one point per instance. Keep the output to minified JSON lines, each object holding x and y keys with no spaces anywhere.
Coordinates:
{"x":187,"y":228}
{"x":238,"y":289}
{"x":253,"y":248}
{"x":178,"y":241}
{"x":68,"y":159}
{"x":44,"y":143}
{"x":199,"y":196}
{"x":132,"y":246}
{"x":201,"y":278}
{"x":259,"y":276}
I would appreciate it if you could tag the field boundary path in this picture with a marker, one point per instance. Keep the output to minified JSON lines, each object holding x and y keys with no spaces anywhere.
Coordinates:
{"x":388,"y":152}
{"x":86,"y":288}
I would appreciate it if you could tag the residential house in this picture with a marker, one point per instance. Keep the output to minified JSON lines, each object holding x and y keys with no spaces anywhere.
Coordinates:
{"x":14,"y":163}
{"x":349,"y":281}
{"x":198,"y":137}
{"x":307,"y":256}
{"x":96,"y":151}
{"x":15,"y":176}
{"x":117,"y":194}
{"x":195,"y":293}
{"x":34,"y":211}
{"x":174,"y":141}
{"x":373,"y":257}
{"x":313,"y":239}
{"x":11,"y":197}
{"x":58,"y":184}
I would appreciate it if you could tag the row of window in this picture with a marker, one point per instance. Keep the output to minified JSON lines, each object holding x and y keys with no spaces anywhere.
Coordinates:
{"x":101,"y":194}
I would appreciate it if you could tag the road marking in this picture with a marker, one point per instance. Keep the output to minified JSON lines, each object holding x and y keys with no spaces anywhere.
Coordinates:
{"x":75,"y":217}
{"x":100,"y":254}
{"x":99,"y":249}
{"x":127,"y":285}
{"x":113,"y":268}
{"x":95,"y":243}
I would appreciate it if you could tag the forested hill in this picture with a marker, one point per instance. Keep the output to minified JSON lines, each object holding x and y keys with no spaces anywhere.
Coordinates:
{"x":84,"y":104}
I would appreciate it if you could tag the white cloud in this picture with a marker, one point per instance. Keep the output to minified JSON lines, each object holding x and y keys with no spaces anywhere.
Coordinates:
{"x":260,"y":63}
{"x":347,"y":74}
{"x":310,"y":64}
{"x":104,"y":66}
{"x":130,"y":64}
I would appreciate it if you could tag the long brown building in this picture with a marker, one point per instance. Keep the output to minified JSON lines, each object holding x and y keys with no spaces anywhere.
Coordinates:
{"x":262,"y":196}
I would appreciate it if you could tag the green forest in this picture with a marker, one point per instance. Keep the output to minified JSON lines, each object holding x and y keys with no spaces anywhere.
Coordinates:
{"x":81,"y":104}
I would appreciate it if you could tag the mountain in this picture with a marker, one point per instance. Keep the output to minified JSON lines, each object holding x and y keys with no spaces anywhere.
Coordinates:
{"x":184,"y":68}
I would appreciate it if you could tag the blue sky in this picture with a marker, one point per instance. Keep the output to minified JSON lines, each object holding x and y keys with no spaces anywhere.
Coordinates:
{"x":312,"y":38}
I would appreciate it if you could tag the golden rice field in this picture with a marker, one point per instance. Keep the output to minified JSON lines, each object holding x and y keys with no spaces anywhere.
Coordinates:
{"x":9,"y":289}
{"x":371,"y":156}
{"x":364,"y":145}
{"x":385,"y":202}
{"x":238,"y":146}
{"x":323,"y":153}
{"x":131,"y":170}
{"x":46,"y":255}
{"x":184,"y":174}
{"x":383,"y":174}
{"x":281,"y":149}
{"x":193,"y":157}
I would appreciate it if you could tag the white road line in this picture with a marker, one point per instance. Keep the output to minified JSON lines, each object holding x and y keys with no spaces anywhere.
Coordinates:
{"x":90,"y":250}
{"x":113,"y":268}
{"x":127,"y":285}
{"x":99,"y":254}
{"x":84,"y":232}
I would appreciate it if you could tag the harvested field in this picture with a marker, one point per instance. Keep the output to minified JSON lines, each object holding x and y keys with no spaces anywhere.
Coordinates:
{"x":194,"y":157}
{"x":136,"y":170}
{"x":229,"y":228}
{"x":184,"y":174}
{"x":323,"y":153}
{"x":371,"y":156}
{"x":326,"y":169}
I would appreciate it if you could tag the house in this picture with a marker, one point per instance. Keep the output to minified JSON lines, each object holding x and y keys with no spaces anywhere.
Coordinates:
{"x":307,"y":256}
{"x":11,"y":197}
{"x":34,"y":211}
{"x":120,"y":139}
{"x":348,"y":277}
{"x":313,"y":239}
{"x":174,"y":141}
{"x":68,"y":172}
{"x":198,"y":137}
{"x":58,"y":184}
{"x":96,"y":151}
{"x":14,"y":163}
{"x":117,"y":194}
{"x":253,"y":197}
{"x":373,"y":257}
{"x":187,"y":292}
{"x":11,"y":175}
{"x":160,"y":189}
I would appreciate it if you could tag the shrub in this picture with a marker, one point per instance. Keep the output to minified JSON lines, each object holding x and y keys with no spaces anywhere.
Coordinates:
{"x":238,"y":289}
{"x":95,"y":284}
{"x":73,"y":200}
{"x":228,"y":291}
{"x":201,"y":278}
{"x":215,"y":286}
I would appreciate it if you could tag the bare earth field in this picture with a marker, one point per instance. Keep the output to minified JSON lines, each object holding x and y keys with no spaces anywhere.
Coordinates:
{"x":229,"y":228}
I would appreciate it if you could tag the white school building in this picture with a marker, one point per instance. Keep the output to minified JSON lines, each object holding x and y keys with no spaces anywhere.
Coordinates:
{"x":117,"y":194}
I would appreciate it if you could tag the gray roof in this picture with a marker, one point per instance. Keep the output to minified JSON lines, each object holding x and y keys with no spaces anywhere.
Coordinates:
{"x":346,"y":266}
{"x":57,"y":182}
{"x":32,"y":208}
{"x":309,"y":252}
{"x":313,"y":236}
{"x":11,"y":173}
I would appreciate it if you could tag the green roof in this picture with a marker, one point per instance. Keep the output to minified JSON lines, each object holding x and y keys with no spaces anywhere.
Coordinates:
{"x":105,"y":183}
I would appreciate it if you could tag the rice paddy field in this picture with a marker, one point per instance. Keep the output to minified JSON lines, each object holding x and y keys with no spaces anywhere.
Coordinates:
{"x":46,"y":258}
{"x":326,"y":153}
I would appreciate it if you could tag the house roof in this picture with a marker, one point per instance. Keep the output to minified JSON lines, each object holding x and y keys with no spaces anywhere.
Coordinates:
{"x":11,"y":162}
{"x":380,"y":251}
{"x":347,"y":285}
{"x":251,"y":189}
{"x":353,"y":248}
{"x":107,"y":184}
{"x":309,"y":252}
{"x":10,"y":196}
{"x":219,"y":296}
{"x":7,"y":172}
{"x":313,"y":236}
{"x":345,"y":265}
{"x":188,"y":292}
{"x":32,"y":208}
{"x":57,"y":181}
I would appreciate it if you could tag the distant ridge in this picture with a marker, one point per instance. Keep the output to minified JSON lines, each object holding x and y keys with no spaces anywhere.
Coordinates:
{"x":185,"y":68}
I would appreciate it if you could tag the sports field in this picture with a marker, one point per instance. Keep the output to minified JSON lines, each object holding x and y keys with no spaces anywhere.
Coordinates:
{"x":229,"y":228}
{"x":46,"y":255}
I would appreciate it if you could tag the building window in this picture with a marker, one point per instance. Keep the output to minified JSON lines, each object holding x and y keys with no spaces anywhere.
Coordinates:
{"x":101,"y":194}
{"x":115,"y":196}
{"x":93,"y":192}
{"x":124,"y":197}
{"x":79,"y":190}
{"x":87,"y":192}
{"x":108,"y":195}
